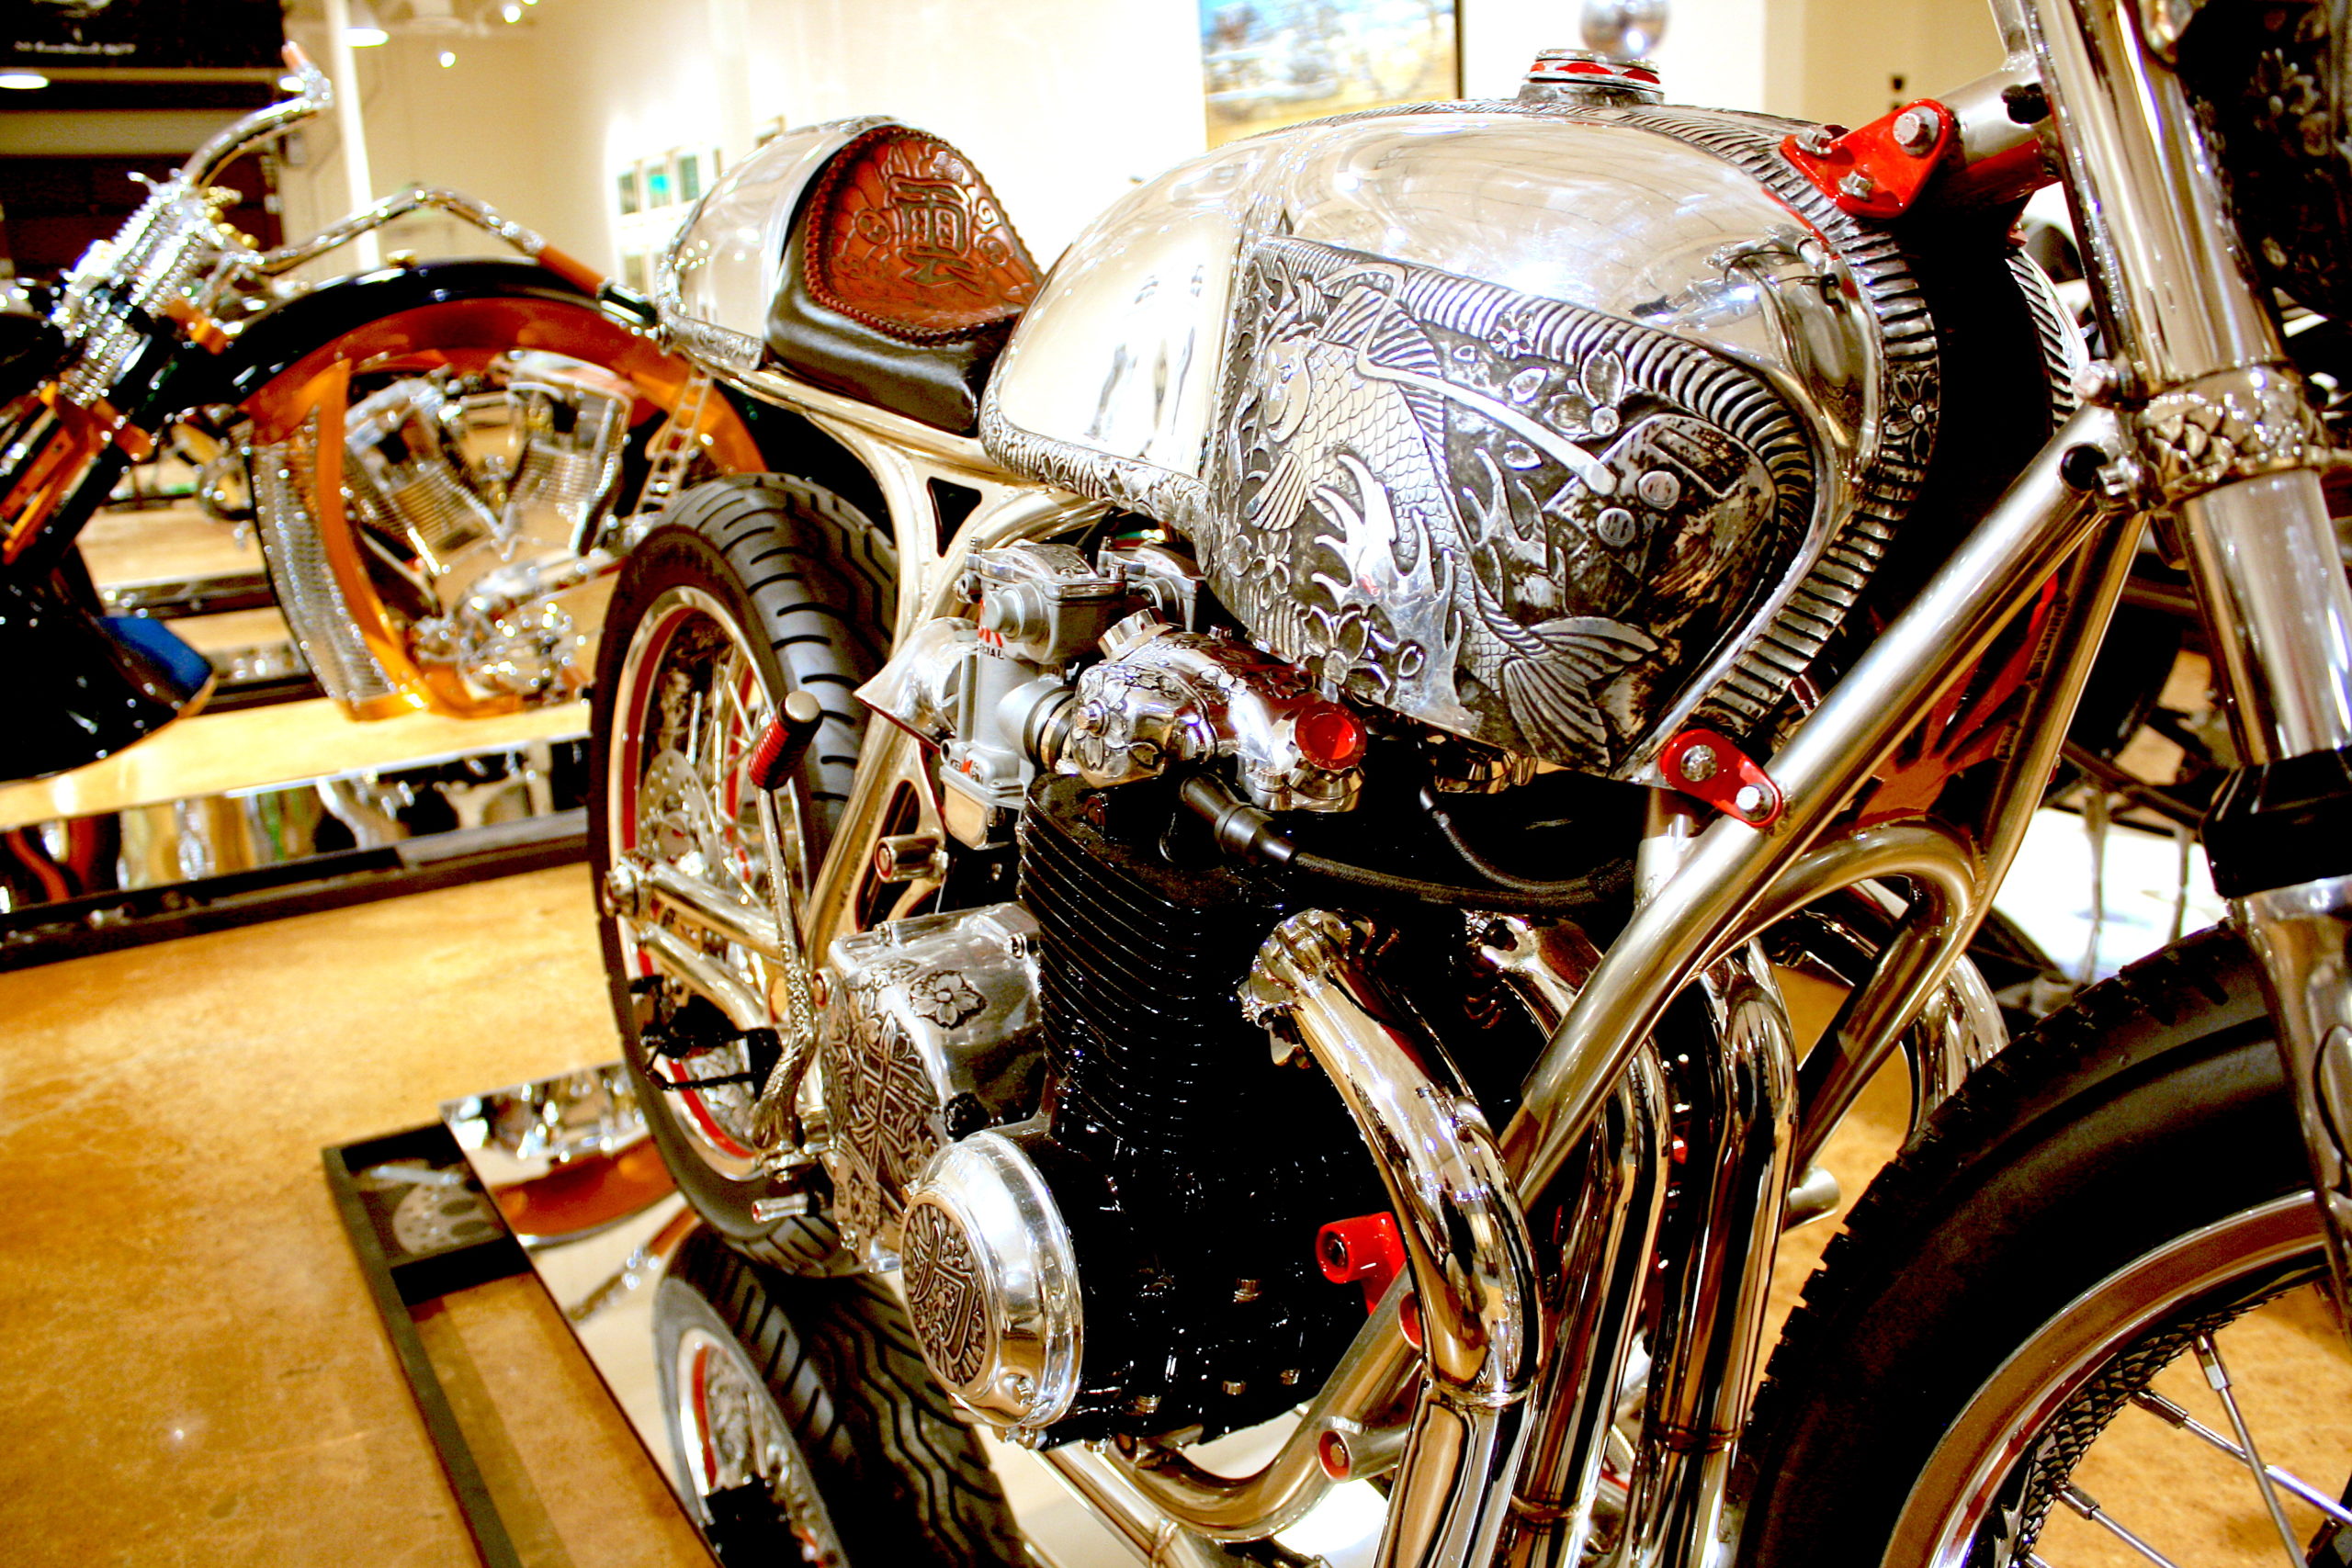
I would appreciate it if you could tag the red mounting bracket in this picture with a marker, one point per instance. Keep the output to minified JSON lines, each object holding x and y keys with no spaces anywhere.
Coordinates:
{"x":1710,"y":766}
{"x":1368,"y":1250}
{"x":1877,"y":170}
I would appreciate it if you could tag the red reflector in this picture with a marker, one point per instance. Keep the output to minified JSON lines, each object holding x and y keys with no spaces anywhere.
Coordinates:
{"x":1330,"y":736}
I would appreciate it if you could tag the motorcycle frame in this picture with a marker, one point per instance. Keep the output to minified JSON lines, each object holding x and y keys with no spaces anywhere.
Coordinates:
{"x":1501,"y":1456}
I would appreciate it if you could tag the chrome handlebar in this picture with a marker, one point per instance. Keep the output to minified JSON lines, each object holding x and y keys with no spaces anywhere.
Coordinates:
{"x":315,"y":96}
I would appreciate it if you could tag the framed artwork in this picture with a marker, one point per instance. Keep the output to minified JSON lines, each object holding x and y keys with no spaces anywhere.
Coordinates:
{"x":1270,"y":62}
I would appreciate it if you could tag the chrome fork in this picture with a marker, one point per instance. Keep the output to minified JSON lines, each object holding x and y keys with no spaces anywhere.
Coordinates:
{"x":2228,"y":443}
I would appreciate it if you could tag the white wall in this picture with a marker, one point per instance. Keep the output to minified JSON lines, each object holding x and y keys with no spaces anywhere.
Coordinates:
{"x":1064,"y":104}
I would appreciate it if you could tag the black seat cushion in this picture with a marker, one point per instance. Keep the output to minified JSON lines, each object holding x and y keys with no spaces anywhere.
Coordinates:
{"x":902,"y":279}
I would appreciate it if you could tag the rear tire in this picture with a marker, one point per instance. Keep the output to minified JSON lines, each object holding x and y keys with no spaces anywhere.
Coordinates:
{"x":2119,"y":1180}
{"x":752,"y":588}
{"x":806,"y":1428}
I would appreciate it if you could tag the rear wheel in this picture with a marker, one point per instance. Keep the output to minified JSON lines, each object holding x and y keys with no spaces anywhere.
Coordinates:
{"x":805,"y":1427}
{"x":751,"y":590}
{"x":2016,"y":1352}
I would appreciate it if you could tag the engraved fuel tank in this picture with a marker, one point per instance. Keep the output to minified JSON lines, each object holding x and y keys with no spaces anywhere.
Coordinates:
{"x":1559,"y":427}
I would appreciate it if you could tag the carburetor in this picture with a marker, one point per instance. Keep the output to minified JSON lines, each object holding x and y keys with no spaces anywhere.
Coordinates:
{"x":995,"y":695}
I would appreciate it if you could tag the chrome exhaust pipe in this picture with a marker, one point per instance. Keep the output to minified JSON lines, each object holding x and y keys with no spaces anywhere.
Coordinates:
{"x":1474,"y":1285}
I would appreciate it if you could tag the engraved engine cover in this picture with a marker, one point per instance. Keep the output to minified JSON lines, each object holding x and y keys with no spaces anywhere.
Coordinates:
{"x":1557,"y":426}
{"x":930,"y":1033}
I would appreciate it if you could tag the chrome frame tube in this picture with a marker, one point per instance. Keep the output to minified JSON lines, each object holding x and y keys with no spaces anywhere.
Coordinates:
{"x":1371,"y":1379}
{"x":1472,"y":1263}
{"x":2033,"y":530}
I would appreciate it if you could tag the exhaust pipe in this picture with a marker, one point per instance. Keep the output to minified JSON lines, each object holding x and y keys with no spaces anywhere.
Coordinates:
{"x":1474,"y":1286}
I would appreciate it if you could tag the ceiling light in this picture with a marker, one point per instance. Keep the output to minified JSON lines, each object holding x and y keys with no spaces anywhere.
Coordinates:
{"x":512,"y":11}
{"x":23,"y":80}
{"x":363,"y":30}
{"x":448,"y":58}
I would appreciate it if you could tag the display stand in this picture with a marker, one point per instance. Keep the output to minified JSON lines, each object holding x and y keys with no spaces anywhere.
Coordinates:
{"x":556,"y":1179}
{"x":399,"y":1279}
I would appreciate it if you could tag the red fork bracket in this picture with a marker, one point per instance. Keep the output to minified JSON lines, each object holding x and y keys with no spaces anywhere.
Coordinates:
{"x":1877,"y":170}
{"x":1710,"y":766}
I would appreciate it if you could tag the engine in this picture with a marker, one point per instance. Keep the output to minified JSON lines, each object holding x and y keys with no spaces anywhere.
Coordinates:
{"x":1104,"y":1190}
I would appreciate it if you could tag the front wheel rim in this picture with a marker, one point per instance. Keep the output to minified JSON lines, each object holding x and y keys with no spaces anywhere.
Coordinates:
{"x":734,"y":1438}
{"x":2251,"y":1257}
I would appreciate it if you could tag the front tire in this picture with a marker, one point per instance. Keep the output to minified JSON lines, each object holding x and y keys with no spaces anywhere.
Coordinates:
{"x":805,"y":1427}
{"x":749,"y":590}
{"x":1992,"y":1329}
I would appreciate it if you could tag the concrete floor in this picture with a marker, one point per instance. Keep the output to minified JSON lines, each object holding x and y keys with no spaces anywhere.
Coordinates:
{"x":190,"y":1368}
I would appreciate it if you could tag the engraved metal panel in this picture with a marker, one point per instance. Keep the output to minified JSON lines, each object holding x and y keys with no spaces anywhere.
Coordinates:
{"x":1795,"y":439}
{"x":1515,"y":518}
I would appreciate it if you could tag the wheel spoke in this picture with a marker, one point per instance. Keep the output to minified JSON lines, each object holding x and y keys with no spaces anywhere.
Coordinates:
{"x":2083,"y":1502}
{"x":2209,"y":1356}
{"x":2172,"y":1415}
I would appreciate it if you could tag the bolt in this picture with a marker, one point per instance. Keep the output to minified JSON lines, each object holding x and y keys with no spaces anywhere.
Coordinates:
{"x":1234,"y":1387}
{"x":791,"y":1206}
{"x":1820,"y":142}
{"x":1246,"y":1290}
{"x":1916,"y":130}
{"x":1144,"y":1404}
{"x":2098,"y":381}
{"x":1018,"y":1385}
{"x":1749,"y":801}
{"x":1697,"y":764}
{"x":621,"y":887}
{"x":1288,"y":1377}
{"x":1857,"y":185}
{"x":1331,"y":1448}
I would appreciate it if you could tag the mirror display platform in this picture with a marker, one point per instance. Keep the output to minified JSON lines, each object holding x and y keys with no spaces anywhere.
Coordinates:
{"x":564,"y":1166}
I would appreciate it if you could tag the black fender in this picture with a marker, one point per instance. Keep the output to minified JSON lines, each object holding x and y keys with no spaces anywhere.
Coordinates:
{"x":283,"y":334}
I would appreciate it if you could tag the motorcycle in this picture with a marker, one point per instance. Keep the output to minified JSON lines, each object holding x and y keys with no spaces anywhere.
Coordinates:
{"x":442,"y":460}
{"x":1237,"y":816}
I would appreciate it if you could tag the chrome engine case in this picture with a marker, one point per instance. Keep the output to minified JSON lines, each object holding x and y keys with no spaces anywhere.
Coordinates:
{"x":930,"y":1033}
{"x":1560,"y":427}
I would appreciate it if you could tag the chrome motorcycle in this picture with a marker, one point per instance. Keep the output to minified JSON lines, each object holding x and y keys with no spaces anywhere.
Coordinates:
{"x":1237,"y":811}
{"x":441,"y":460}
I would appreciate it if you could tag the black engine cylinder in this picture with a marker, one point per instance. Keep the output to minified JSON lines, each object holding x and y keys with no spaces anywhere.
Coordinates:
{"x":1194,"y":1171}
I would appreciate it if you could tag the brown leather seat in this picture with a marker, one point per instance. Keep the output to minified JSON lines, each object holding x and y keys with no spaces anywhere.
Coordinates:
{"x":902,"y":279}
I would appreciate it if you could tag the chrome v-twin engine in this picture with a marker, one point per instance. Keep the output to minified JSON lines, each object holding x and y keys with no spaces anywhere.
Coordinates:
{"x":1104,"y":1191}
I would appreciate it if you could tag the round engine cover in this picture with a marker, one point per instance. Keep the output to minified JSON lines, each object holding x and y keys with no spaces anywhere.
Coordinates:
{"x":992,"y":1284}
{"x":1559,"y":427}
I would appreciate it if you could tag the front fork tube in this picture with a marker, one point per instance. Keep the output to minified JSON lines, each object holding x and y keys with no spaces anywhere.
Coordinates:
{"x":2264,"y":555}
{"x":2199,"y":353}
